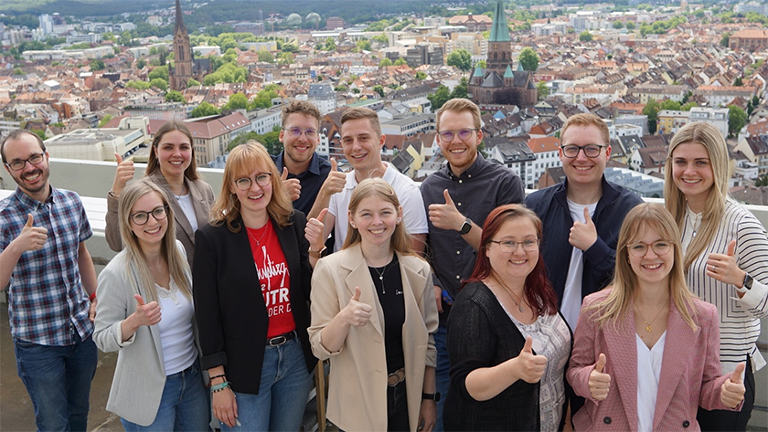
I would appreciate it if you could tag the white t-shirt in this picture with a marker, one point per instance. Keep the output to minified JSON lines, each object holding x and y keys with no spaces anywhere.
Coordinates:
{"x":571,"y":304}
{"x":414,"y":215}
{"x":176,"y":334}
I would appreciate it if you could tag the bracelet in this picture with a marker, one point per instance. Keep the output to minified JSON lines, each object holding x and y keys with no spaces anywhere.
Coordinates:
{"x":112,"y":194}
{"x":92,"y":297}
{"x":317,"y":254}
{"x":219,"y":387}
{"x":210,"y":380}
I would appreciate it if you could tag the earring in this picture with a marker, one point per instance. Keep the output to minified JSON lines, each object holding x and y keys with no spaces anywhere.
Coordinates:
{"x":353,"y":225}
{"x":398,"y":220}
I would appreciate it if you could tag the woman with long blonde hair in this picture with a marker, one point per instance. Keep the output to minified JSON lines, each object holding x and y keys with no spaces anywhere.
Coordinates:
{"x":645,"y":353}
{"x":145,"y":312}
{"x":724,"y":252}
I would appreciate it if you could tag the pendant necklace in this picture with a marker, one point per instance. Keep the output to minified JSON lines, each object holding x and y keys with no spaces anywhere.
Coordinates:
{"x":183,"y":188}
{"x":648,"y":327}
{"x":694,"y":225}
{"x":511,"y":294}
{"x":381,"y":276}
{"x":258,"y":242}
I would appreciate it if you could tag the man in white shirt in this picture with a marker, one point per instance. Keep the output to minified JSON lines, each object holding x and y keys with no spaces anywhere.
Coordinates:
{"x":361,"y":141}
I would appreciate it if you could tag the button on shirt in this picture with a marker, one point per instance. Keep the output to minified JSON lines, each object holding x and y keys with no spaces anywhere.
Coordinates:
{"x":47,"y":299}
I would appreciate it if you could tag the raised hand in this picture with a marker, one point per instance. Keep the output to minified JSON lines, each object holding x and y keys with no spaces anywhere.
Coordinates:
{"x":146,"y":314}
{"x":583,"y":235}
{"x":124,"y":173}
{"x":292,"y":186}
{"x":446,"y":216}
{"x":314,"y":231}
{"x":530,"y":367}
{"x":31,"y":238}
{"x":335,"y":181}
{"x":732,"y":390}
{"x":599,"y":382}
{"x":724,"y":267}
{"x":357,"y":314}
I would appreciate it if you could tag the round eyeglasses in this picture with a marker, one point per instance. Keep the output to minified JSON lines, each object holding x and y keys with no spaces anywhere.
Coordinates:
{"x":263,"y":179}
{"x":142,"y":217}
{"x":463,"y":134}
{"x":639,"y":249}
{"x":295,"y":132}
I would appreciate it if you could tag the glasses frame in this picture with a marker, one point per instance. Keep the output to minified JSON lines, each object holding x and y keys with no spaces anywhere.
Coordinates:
{"x":261,"y":184}
{"x":455,"y":133}
{"x":503,"y":245}
{"x":630,"y":249}
{"x":164,"y":209}
{"x":26,"y":161}
{"x":305,"y":132}
{"x":583,"y":149}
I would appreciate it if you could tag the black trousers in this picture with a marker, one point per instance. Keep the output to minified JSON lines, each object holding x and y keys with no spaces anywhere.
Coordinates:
{"x":397,"y":408}
{"x":723,"y":420}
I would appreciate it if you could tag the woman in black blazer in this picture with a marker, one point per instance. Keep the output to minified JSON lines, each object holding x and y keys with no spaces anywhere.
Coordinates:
{"x":251,"y":286}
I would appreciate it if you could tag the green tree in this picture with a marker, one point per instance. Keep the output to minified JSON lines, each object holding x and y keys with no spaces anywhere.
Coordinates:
{"x":341,"y":88}
{"x":630,"y":25}
{"x":688,"y":106}
{"x":159,"y":72}
{"x":285,"y":58}
{"x":138,"y":85}
{"x":529,"y":59}
{"x":383,"y":39}
{"x":585,"y":36}
{"x":291,"y":48}
{"x":618,"y":25}
{"x":40,"y":133}
{"x":330,"y":44}
{"x":159,"y":83}
{"x":237,"y":101}
{"x":378,"y":89}
{"x":738,"y":82}
{"x":104,"y":120}
{"x":174,"y":96}
{"x":266,"y":56}
{"x":651,"y":109}
{"x":542,"y":90}
{"x":439,"y":97}
{"x":460,"y":59}
{"x":761,"y":181}
{"x":203,"y":110}
{"x":737,"y":118}
{"x":97,"y":65}
{"x":482,"y":64}
{"x":193,"y":82}
{"x":364,"y":44}
{"x":263,"y":98}
{"x":725,"y":39}
{"x":420,"y":75}
{"x":140,"y":63}
{"x":669,"y":104}
{"x":400,"y":62}
{"x":17,"y":71}
{"x":460,"y":91}
{"x":385,"y":62}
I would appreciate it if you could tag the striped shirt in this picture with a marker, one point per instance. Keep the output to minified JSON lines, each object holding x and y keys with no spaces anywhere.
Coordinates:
{"x":47,"y":301}
{"x":739,"y":317}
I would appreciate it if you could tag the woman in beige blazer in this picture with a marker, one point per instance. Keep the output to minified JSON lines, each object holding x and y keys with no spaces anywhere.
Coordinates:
{"x":171,"y":167}
{"x":374,"y":316}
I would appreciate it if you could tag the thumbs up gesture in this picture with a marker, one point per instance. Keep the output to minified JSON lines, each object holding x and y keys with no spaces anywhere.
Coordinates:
{"x":724,"y":267}
{"x":732,"y":390}
{"x":292,"y":186}
{"x":335,"y":181}
{"x":446,"y":216}
{"x":31,"y":238}
{"x":357,"y":313}
{"x":599,"y":382}
{"x":583,"y":235}
{"x":314,"y":231}
{"x":530,"y":367}
{"x":124,"y":173}
{"x":146,"y":314}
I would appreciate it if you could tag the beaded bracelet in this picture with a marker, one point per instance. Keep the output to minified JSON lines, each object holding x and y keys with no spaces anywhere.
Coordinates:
{"x":219,"y":387}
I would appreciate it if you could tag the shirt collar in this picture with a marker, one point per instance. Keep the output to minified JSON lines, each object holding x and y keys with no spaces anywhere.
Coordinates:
{"x":314,"y":163}
{"x":474,"y":170}
{"x":31,"y":203}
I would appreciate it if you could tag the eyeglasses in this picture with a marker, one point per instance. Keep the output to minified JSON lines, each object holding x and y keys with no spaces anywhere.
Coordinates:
{"x":142,"y":217}
{"x":590,"y":150}
{"x":296,"y":132}
{"x":263,"y":179}
{"x":463,"y":134}
{"x":509,"y":246}
{"x":19,"y":165}
{"x":639,"y":249}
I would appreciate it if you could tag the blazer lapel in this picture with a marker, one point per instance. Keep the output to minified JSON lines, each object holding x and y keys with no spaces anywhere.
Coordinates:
{"x":178,"y":214}
{"x":154,"y":331}
{"x":621,"y":363}
{"x":360,"y":276}
{"x":679,"y":334}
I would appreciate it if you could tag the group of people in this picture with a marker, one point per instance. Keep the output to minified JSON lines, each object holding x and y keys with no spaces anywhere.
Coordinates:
{"x":459,"y":305}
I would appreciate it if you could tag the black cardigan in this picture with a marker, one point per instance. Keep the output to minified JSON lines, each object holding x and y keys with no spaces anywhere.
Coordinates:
{"x":229,"y":307}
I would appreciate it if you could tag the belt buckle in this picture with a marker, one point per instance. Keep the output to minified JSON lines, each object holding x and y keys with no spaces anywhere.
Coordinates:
{"x":278,"y":340}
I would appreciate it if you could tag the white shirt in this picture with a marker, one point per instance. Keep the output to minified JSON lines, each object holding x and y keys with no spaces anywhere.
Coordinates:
{"x":571,"y":304}
{"x":648,"y":373}
{"x":185,"y":202}
{"x":414,"y":215}
{"x":176,"y":333}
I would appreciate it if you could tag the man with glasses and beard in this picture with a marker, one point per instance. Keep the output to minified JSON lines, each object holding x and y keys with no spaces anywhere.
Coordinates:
{"x":582,"y":215}
{"x":52,"y":294}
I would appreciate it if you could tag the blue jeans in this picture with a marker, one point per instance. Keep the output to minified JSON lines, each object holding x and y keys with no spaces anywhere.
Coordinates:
{"x":58,"y":380}
{"x":184,"y":405}
{"x":442,"y":373}
{"x":283,"y":392}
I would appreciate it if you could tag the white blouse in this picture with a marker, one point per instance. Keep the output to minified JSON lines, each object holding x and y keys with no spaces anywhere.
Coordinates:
{"x":648,"y":373}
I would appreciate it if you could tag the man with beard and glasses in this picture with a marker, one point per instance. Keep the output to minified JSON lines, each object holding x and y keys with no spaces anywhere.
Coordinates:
{"x":52,"y":294}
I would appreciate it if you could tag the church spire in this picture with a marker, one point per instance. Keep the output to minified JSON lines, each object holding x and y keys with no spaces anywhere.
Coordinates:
{"x":500,"y":29}
{"x":179,"y":25}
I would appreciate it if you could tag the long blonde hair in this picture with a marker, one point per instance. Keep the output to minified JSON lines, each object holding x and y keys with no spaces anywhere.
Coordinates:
{"x":178,"y":267}
{"x":616,"y":305}
{"x":378,"y":188}
{"x":241,"y":162}
{"x":710,"y":137}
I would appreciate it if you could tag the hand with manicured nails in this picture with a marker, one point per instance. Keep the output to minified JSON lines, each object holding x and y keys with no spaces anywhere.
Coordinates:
{"x":530,"y":367}
{"x":314,"y":231}
{"x":31,"y":238}
{"x":292,"y":186}
{"x":335,"y":181}
{"x":599,"y":382}
{"x":124,"y":173}
{"x":146,"y":314}
{"x":583,"y":235}
{"x":446,"y":216}
{"x":732,"y":390}
{"x":724,"y":267}
{"x":356,"y":313}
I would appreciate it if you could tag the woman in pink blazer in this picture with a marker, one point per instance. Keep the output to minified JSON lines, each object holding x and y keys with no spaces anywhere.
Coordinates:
{"x":646,"y":351}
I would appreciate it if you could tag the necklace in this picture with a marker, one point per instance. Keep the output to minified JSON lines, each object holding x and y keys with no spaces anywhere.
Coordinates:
{"x":695,"y":222}
{"x":183,"y":188}
{"x":648,"y":327}
{"x":518,"y":301}
{"x":381,"y":276}
{"x":258,"y":242}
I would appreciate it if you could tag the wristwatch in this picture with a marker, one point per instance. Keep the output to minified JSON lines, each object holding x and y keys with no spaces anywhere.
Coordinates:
{"x":431,"y":396}
{"x":747,"y":281}
{"x":466,"y":227}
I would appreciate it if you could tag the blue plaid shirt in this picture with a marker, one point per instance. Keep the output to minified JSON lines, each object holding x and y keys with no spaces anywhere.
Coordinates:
{"x":47,"y":300}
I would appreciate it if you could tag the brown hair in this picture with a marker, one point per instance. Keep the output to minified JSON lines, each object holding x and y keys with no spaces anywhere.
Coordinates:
{"x":587,"y":119}
{"x":362,"y":113}
{"x":15,"y":135}
{"x":300,"y":107}
{"x":153,"y":164}
{"x":460,"y":105}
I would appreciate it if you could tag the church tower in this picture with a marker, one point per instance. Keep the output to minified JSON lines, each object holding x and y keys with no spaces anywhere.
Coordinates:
{"x":182,"y":70}
{"x":499,"y":42}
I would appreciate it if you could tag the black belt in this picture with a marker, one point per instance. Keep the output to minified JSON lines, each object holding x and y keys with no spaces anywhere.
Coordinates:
{"x":283,"y":338}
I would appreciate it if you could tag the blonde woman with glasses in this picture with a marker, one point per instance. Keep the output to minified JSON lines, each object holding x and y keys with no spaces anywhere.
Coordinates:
{"x":645,"y":353}
{"x":145,"y":312}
